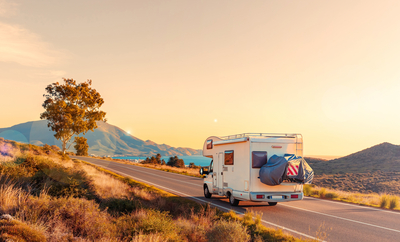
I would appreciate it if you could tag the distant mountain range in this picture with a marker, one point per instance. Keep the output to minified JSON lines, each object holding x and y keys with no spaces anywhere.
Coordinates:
{"x":107,"y":139}
{"x":382,"y":157}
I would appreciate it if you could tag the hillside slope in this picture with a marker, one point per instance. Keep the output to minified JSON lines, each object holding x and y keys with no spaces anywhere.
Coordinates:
{"x":375,"y":169}
{"x":382,"y":157}
{"x":107,"y":139}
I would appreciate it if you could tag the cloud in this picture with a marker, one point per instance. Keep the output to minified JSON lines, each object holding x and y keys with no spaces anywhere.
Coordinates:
{"x":8,"y":9}
{"x":21,"y":46}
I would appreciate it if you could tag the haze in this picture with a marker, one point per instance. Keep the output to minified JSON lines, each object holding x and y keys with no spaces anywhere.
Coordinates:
{"x":176,"y":72}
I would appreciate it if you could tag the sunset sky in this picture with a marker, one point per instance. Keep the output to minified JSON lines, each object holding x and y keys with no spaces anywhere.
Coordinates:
{"x":176,"y":72}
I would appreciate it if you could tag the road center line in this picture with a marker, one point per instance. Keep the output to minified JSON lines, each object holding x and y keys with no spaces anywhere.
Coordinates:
{"x":353,"y":205}
{"x":346,"y":219}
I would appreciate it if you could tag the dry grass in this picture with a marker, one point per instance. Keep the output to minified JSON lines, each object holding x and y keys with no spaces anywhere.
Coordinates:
{"x":121,"y":209}
{"x":11,"y":196}
{"x":184,"y":171}
{"x":105,"y":185}
{"x":374,"y":200}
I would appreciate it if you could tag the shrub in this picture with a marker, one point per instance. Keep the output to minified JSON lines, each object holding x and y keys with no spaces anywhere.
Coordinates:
{"x":384,"y":201}
{"x":331,"y":195}
{"x":147,"y":222}
{"x":393,"y":202}
{"x":120,"y":206}
{"x":231,"y":230}
{"x":322,"y":192}
{"x":176,"y":162}
{"x":80,"y":216}
{"x":307,"y":190}
{"x":17,"y":231}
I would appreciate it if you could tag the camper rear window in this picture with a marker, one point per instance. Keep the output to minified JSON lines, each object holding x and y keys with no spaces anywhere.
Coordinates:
{"x":259,"y":158}
{"x":229,"y":157}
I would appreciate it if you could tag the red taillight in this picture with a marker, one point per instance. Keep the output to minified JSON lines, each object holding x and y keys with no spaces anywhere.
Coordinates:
{"x":260,"y":196}
{"x":294,"y":196}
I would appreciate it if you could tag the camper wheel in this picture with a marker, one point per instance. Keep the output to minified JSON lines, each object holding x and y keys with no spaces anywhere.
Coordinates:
{"x":232,"y":200}
{"x":207,"y":193}
{"x":272,"y":203}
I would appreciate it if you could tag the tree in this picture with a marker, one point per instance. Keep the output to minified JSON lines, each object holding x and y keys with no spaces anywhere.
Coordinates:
{"x":81,"y":146}
{"x":71,"y":109}
{"x":176,"y":162}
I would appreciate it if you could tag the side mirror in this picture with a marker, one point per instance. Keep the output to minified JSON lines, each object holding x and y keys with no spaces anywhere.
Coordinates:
{"x":204,"y":171}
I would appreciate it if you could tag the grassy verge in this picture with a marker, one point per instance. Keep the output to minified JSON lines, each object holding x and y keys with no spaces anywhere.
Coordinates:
{"x":183,"y":171}
{"x":227,"y":226}
{"x":374,"y":200}
{"x":386,"y":201}
{"x":93,"y":204}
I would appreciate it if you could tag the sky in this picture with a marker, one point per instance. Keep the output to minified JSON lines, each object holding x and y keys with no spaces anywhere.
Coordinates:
{"x":177,"y":72}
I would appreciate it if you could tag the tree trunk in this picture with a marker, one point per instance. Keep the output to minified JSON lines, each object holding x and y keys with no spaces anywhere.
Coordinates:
{"x":64,"y":145}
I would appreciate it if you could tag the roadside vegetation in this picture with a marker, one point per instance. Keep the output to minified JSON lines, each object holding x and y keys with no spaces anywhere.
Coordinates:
{"x":45,"y":196}
{"x":372,"y":199}
{"x":359,"y":187}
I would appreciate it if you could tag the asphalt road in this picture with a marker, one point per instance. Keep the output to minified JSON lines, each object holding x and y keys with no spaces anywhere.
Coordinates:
{"x":306,"y":218}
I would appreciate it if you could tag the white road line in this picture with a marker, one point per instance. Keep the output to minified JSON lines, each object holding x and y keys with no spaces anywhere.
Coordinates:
{"x":346,"y":219}
{"x":216,"y":205}
{"x":158,"y":175}
{"x":353,"y":205}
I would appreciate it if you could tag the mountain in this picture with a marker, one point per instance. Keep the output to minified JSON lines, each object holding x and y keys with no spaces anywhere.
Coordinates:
{"x":375,"y":169}
{"x":107,"y":139}
{"x":382,"y":157}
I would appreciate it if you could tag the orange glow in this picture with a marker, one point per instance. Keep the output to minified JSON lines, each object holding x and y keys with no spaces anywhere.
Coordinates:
{"x":177,"y":73}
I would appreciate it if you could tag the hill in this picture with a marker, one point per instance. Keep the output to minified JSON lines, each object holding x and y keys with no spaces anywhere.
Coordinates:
{"x":375,"y":169}
{"x":107,"y":139}
{"x":383,"y":157}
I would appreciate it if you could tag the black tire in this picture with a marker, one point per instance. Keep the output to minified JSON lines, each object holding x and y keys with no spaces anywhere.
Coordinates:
{"x":272,"y":203}
{"x":207,"y":193}
{"x":232,"y":200}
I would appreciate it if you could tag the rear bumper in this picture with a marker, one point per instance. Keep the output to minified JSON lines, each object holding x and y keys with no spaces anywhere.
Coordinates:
{"x":275,"y":196}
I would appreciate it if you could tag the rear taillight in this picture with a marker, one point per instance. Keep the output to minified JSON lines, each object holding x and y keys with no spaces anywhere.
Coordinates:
{"x":294,"y":196}
{"x":260,"y":196}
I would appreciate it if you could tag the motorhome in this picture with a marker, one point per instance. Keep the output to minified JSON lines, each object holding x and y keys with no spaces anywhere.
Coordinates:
{"x":236,"y":162}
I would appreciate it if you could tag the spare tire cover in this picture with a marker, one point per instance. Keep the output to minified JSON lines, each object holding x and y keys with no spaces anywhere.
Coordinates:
{"x":274,"y":172}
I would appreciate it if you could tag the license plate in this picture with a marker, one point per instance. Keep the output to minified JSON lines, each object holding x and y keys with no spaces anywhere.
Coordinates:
{"x":276,"y":197}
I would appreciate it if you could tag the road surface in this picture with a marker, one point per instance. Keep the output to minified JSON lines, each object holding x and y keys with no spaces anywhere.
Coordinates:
{"x":306,"y":218}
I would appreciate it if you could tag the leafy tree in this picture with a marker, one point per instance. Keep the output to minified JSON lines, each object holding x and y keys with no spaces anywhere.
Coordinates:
{"x":176,"y":162}
{"x":71,"y":109}
{"x":153,"y":160}
{"x":81,"y":146}
{"x":192,"y":165}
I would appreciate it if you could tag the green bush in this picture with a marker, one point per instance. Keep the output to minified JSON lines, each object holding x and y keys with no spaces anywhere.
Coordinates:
{"x":228,"y":231}
{"x":331,"y":195}
{"x":307,"y":190}
{"x":384,"y":201}
{"x":148,"y":222}
{"x":120,"y":206}
{"x":393,"y":202}
{"x":322,"y":192}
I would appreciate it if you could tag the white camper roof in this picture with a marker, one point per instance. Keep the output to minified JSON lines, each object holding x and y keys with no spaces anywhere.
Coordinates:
{"x":253,"y":137}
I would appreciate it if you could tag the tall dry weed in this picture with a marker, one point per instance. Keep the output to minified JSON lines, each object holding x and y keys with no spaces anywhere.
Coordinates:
{"x":11,"y":195}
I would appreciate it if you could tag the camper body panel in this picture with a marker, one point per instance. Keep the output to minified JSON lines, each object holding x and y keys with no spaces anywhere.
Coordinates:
{"x":238,"y":177}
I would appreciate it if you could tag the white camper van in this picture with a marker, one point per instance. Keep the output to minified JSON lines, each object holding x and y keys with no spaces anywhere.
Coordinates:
{"x":236,"y":162}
